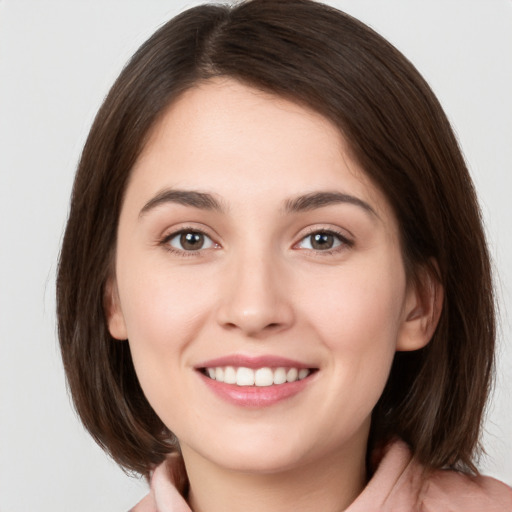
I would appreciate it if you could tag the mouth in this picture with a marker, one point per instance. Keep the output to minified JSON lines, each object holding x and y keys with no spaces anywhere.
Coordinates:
{"x":265,"y":376}
{"x":256,"y":381}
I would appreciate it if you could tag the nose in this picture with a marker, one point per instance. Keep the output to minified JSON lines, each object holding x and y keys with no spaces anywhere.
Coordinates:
{"x":255,"y":299}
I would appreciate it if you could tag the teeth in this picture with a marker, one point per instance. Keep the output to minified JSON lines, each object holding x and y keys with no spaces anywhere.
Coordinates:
{"x":229,"y":375}
{"x":280,"y":376}
{"x":264,"y":377}
{"x":303,"y":373}
{"x":261,"y":377}
{"x":244,"y":377}
{"x":292,"y":374}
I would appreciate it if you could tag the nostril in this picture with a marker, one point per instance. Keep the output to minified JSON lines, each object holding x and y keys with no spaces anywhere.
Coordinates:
{"x":270,"y":327}
{"x":254,"y":317}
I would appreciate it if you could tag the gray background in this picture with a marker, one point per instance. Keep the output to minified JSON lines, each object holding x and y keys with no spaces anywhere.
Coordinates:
{"x":57,"y":61}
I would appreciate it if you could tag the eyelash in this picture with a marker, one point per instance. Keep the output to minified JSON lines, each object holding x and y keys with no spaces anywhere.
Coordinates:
{"x":345,"y":243}
{"x":181,"y":252}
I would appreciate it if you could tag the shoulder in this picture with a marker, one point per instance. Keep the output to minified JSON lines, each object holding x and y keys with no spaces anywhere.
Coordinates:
{"x":443,"y":490}
{"x":450,"y":490}
{"x":401,"y":484}
{"x":145,"y":505}
{"x":167,"y":487}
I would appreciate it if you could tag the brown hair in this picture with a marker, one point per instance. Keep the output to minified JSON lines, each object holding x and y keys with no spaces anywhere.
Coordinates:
{"x":322,"y":58}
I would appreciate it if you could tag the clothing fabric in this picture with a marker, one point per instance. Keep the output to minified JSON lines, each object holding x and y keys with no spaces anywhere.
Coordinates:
{"x":398,"y":485}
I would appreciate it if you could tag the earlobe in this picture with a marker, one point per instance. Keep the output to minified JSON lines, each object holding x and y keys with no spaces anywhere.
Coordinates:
{"x":113,"y":312}
{"x":423,"y":306}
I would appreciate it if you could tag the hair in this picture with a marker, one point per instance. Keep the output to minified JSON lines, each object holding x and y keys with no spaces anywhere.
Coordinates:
{"x":326,"y":60}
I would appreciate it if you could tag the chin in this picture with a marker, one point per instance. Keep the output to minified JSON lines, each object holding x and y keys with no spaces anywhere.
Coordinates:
{"x":248,"y":452}
{"x":270,"y":461}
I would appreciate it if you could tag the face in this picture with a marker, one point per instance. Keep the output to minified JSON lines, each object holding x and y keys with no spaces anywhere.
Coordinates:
{"x":259,"y":281}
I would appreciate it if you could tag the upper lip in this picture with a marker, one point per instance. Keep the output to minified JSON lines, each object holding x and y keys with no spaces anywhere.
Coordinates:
{"x":254,"y":362}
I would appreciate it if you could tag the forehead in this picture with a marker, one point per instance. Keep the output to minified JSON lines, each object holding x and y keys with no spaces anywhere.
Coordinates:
{"x":225,"y":115}
{"x":230,"y":139}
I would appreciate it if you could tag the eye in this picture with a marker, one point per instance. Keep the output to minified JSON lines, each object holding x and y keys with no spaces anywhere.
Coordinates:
{"x":323,"y":241}
{"x":189,"y":241}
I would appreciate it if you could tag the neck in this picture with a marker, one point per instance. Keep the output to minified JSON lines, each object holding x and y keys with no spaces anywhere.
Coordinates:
{"x":330,"y":484}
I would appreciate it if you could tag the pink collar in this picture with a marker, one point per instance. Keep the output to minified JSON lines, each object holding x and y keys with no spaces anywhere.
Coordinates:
{"x":400,"y":484}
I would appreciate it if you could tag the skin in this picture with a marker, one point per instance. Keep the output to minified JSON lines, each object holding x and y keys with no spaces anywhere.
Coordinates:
{"x":259,"y":287}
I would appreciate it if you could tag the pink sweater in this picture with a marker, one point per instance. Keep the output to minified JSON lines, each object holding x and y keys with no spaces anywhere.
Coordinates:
{"x":396,"y":486}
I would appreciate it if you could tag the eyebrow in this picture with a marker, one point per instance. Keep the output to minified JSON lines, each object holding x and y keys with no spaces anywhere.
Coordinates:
{"x":302,"y":203}
{"x":201,"y":200}
{"x":316,"y":200}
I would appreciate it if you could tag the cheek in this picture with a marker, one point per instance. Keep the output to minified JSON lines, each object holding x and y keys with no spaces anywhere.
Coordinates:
{"x":157,"y":309}
{"x":163,"y":317}
{"x":358,"y":315}
{"x":367,"y":296}
{"x":164,"y":311}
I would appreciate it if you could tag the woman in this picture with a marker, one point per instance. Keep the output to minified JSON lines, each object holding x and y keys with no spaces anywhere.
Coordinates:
{"x":274,"y":287}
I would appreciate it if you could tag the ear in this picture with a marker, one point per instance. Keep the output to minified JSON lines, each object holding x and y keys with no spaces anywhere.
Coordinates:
{"x":113,"y":312}
{"x":423,"y":306}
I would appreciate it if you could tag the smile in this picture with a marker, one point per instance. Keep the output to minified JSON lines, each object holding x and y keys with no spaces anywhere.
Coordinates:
{"x":256,"y":381}
{"x":259,"y":377}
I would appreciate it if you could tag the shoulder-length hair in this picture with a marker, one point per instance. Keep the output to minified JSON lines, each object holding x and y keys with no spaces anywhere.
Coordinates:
{"x":326,"y":60}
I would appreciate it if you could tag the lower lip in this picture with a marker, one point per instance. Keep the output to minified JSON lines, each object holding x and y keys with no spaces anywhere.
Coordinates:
{"x":255,"y":396}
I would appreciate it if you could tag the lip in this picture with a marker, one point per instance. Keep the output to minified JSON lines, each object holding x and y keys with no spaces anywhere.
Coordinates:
{"x":255,"y":396}
{"x":252,"y":362}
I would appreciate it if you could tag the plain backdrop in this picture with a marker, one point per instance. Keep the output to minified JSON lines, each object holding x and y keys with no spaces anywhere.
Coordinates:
{"x":57,"y":61}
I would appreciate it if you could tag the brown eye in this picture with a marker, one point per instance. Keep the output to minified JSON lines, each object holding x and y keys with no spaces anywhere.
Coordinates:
{"x":323,"y":241}
{"x":190,"y":241}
